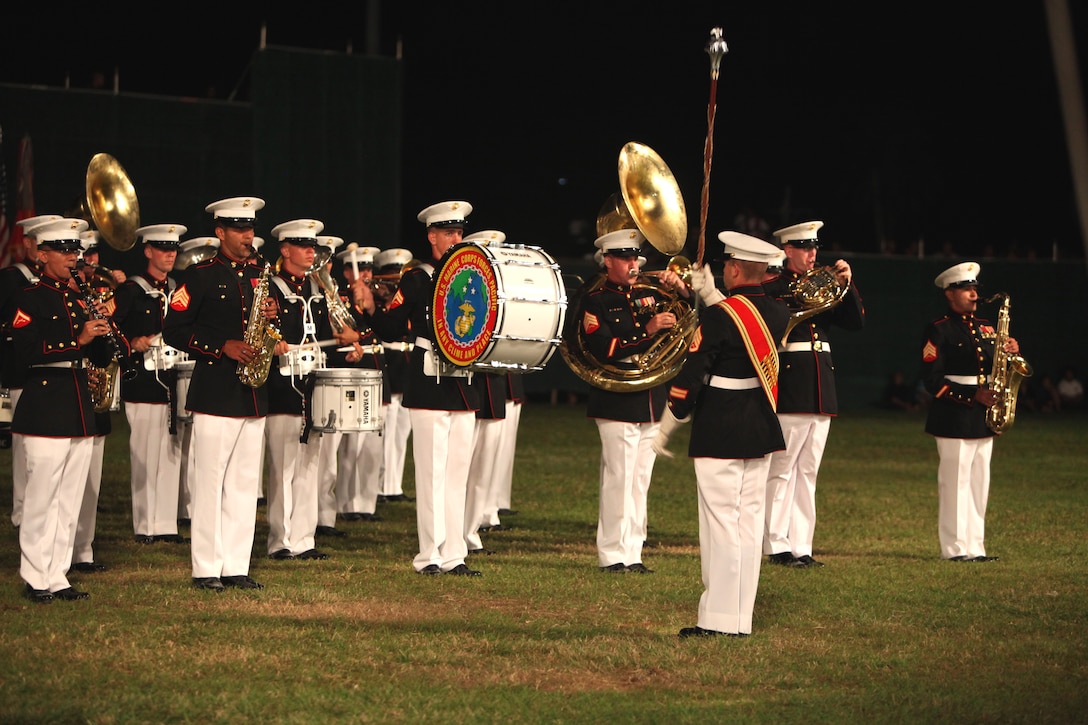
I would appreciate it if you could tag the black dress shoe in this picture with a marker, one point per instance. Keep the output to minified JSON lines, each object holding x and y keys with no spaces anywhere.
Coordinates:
{"x":312,"y":554}
{"x":957,"y":558}
{"x":370,"y":517}
{"x":617,"y":568}
{"x":172,"y":538}
{"x":698,"y":632}
{"x":88,"y":567}
{"x":982,"y":559}
{"x":70,"y":594}
{"x":329,"y":531}
{"x":463,"y":570}
{"x":210,"y":583}
{"x":143,"y":539}
{"x":480,"y":552}
{"x":496,"y":527}
{"x":396,"y":497}
{"x":639,"y":568}
{"x":350,"y":516}
{"x":807,"y":561}
{"x":430,"y":570}
{"x":281,"y":555}
{"x":40,"y":596}
{"x":507,"y":512}
{"x":241,"y":581}
{"x":783,"y":558}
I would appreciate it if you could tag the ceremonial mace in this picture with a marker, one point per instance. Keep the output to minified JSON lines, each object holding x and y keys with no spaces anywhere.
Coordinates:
{"x":716,"y":48}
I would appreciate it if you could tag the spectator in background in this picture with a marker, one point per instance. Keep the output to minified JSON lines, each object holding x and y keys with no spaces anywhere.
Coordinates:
{"x":1040,"y":395}
{"x":898,"y":395}
{"x":1070,"y":390}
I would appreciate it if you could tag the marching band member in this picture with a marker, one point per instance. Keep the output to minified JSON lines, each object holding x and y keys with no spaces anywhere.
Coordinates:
{"x":442,"y":407}
{"x":54,"y":336}
{"x":807,"y":402}
{"x":208,"y":320}
{"x":358,"y":478}
{"x":21,"y":273}
{"x":619,"y":322}
{"x":154,"y":451}
{"x":397,"y":423}
{"x":727,"y":387}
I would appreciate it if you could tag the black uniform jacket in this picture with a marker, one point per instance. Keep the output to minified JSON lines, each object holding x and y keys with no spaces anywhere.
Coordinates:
{"x":137,"y":314}
{"x":56,"y":401}
{"x":409,"y":309}
{"x":806,"y":382}
{"x":13,"y":280}
{"x":728,"y":423}
{"x":613,"y":325}
{"x":492,"y":396}
{"x":958,"y":345}
{"x":209,"y":308}
{"x":286,"y":394}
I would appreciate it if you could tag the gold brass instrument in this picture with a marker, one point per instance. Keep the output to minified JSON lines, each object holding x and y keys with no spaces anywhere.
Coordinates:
{"x":109,"y":203}
{"x":1007,"y":373}
{"x":384,"y":285}
{"x":340,"y":316}
{"x":260,"y":334}
{"x":652,"y":203}
{"x":103,"y":381}
{"x":196,"y":254}
{"x":815,"y":291}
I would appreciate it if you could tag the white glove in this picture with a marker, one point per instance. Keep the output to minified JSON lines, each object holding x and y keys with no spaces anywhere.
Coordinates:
{"x":702,"y":281}
{"x":669,"y":423}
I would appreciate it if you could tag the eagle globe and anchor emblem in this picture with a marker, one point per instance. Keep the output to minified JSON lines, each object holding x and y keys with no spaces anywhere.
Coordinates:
{"x":465,"y":305}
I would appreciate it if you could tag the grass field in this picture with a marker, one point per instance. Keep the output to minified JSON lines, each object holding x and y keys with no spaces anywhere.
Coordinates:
{"x":886,"y":632}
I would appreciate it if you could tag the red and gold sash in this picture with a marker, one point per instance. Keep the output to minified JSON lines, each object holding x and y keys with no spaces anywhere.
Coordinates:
{"x":761,"y":347}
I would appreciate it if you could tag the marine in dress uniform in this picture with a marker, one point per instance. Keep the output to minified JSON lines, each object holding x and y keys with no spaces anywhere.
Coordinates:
{"x":154,"y":440}
{"x":293,"y":452}
{"x":957,"y":359}
{"x":55,"y":339}
{"x":727,"y":387}
{"x":396,"y":422}
{"x":13,"y":279}
{"x":208,"y":320}
{"x":358,"y":476}
{"x":807,"y":402}
{"x":619,"y":321}
{"x":442,"y":407}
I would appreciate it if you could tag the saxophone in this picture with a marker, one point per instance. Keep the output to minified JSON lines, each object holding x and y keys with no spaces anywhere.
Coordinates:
{"x":1008,"y":372}
{"x":260,"y":334}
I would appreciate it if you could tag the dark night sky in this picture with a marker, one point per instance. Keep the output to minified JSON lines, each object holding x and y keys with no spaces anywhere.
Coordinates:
{"x":934,"y":119}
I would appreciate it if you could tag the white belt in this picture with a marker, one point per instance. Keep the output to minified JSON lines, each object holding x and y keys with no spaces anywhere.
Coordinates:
{"x":717,"y":381}
{"x":69,"y":364}
{"x":818,"y":346}
{"x":967,"y":379}
{"x":423,"y":343}
{"x":403,"y":346}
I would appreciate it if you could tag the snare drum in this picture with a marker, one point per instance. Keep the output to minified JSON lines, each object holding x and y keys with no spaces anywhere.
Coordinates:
{"x":499,"y":308}
{"x":7,"y":406}
{"x":300,"y":361}
{"x":160,"y":356}
{"x":347,"y":400}
{"x":185,"y":376}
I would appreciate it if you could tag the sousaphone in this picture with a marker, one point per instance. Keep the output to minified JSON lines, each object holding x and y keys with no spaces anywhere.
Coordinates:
{"x":649,"y":200}
{"x":109,"y":203}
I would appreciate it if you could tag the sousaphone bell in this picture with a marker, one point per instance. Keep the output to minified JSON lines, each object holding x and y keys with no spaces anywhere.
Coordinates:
{"x":109,"y":203}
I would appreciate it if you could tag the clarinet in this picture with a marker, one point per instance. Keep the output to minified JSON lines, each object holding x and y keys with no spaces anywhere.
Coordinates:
{"x":123,"y":359}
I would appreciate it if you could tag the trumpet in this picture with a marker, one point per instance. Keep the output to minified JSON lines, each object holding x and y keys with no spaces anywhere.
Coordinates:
{"x":384,"y":285}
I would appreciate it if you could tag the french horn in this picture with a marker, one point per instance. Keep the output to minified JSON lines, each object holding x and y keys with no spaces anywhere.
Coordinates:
{"x":815,"y":291}
{"x":649,"y":200}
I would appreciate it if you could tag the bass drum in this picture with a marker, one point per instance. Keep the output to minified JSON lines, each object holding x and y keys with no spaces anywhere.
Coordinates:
{"x":498,"y":308}
{"x":347,"y":400}
{"x":185,"y":376}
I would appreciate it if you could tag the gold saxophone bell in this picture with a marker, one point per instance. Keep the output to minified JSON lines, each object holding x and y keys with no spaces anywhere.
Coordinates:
{"x":109,"y":203}
{"x":650,"y":201}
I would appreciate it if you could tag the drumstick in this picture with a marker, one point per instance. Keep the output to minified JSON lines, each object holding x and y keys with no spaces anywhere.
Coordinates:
{"x":318,"y":343}
{"x":353,"y":247}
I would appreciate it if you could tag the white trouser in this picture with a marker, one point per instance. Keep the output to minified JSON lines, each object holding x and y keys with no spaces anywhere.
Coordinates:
{"x":56,"y":474}
{"x":87,"y":519}
{"x":486,"y":439}
{"x":398,"y":426}
{"x":732,"y":495}
{"x":327,"y":472}
{"x":155,"y":466}
{"x":499,"y":496}
{"x":359,"y":477}
{"x":227,"y":477}
{"x":291,"y":493}
{"x":185,"y":472}
{"x":791,"y":484}
{"x":18,"y":467}
{"x":627,"y":464}
{"x":963,"y":488}
{"x":442,"y":452}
